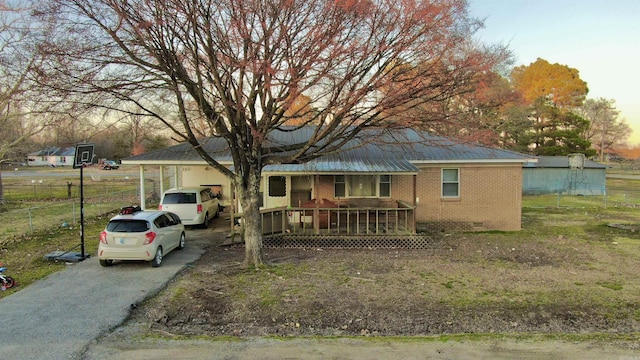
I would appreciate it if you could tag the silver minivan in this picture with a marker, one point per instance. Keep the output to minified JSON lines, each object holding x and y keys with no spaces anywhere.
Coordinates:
{"x":194,"y":205}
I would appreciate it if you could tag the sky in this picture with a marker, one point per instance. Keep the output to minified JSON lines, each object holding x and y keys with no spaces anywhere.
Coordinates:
{"x":599,"y":38}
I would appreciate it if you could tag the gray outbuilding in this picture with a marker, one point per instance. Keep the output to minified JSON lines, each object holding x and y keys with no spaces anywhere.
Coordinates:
{"x":570,"y":175}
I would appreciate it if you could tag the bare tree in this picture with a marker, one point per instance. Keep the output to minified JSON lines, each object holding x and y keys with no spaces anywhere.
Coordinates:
{"x":606,"y":130}
{"x":239,"y":66}
{"x":23,"y":113}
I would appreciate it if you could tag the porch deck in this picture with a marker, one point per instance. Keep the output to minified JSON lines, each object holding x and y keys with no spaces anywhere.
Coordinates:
{"x":399,"y":220}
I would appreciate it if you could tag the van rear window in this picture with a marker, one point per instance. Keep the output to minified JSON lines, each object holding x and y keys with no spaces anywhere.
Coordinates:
{"x":129,"y":226}
{"x":179,"y":198}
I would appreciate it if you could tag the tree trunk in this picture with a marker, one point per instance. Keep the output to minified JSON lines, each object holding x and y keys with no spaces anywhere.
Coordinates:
{"x":249,"y":195}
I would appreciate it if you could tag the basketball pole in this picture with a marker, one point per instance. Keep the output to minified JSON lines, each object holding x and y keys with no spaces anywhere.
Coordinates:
{"x":82,"y":212}
{"x":83,"y":156}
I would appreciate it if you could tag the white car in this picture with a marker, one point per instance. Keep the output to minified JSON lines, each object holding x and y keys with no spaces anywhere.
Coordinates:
{"x":140,"y":235}
{"x":194,"y":206}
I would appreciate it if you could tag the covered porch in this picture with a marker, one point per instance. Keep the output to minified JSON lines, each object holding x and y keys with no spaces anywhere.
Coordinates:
{"x":342,"y":227}
{"x":325,"y":217}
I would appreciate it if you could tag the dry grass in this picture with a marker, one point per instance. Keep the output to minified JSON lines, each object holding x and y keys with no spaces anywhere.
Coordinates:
{"x":566,"y":272}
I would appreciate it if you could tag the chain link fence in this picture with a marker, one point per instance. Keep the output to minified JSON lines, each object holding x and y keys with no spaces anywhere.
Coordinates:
{"x":33,"y":215}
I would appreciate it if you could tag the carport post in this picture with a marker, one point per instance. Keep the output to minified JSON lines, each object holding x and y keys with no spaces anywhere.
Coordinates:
{"x":161,"y":170}
{"x":143,"y":204}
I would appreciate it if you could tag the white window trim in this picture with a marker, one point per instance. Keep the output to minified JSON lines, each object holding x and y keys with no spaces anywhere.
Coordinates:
{"x":442,"y":182}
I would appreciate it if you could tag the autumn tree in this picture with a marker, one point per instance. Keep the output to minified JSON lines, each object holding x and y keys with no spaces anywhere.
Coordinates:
{"x":480,"y":115}
{"x":629,"y":152}
{"x":245,"y":64}
{"x":558,"y":84}
{"x":550,"y":93}
{"x":606,"y":130}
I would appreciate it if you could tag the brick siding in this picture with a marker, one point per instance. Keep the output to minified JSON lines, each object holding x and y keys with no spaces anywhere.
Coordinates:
{"x":490,"y":197}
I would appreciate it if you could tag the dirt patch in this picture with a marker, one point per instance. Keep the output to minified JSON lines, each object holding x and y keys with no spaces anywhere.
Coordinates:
{"x":466,"y":284}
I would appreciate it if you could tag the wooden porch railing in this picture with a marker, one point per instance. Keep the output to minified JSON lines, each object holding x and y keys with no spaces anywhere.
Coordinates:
{"x":338,"y":221}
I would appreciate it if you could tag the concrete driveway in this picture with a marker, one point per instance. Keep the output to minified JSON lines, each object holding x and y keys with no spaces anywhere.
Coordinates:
{"x":59,"y":316}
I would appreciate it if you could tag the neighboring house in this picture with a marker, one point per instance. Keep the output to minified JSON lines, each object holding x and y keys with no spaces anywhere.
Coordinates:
{"x":408,"y":182}
{"x":52,"y":156}
{"x":570,"y":175}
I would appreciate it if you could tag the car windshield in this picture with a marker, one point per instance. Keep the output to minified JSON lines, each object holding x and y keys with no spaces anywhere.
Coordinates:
{"x":179,"y":198}
{"x":127,"y":226}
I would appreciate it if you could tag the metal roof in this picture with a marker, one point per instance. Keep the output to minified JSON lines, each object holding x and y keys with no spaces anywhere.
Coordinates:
{"x":561,"y":162}
{"x":184,"y":152}
{"x":374,"y":151}
{"x":54,"y":151}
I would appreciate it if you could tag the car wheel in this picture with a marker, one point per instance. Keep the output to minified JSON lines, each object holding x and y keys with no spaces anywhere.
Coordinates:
{"x":205,"y":222}
{"x":217,"y":213}
{"x":157,"y":260}
{"x":106,"y":263}
{"x":182,"y":241}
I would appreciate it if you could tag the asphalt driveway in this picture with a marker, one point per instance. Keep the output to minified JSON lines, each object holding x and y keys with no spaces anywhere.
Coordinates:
{"x":59,"y":316}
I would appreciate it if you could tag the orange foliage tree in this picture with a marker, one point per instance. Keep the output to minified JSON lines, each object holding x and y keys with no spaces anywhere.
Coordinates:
{"x":550,"y":93}
{"x":558,"y":84}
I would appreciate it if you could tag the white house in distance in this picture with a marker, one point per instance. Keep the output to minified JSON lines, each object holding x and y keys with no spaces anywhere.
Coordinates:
{"x":52,"y":156}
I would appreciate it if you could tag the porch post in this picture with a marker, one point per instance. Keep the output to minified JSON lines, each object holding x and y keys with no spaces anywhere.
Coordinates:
{"x":161,"y":171}
{"x":415,"y":203}
{"x":143,"y":204}
{"x":316,"y":212}
{"x":176,"y":177}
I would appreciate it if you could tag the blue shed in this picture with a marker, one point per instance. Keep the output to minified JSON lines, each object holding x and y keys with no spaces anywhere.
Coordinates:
{"x":571,"y":175}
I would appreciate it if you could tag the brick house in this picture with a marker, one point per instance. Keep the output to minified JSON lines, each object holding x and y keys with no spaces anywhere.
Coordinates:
{"x":399,"y":184}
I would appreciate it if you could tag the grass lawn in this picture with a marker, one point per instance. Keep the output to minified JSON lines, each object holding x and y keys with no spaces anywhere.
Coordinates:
{"x":570,"y":273}
{"x":572,"y":269}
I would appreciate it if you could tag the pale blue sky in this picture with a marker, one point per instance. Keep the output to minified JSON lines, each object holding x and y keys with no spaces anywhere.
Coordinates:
{"x":599,"y":38}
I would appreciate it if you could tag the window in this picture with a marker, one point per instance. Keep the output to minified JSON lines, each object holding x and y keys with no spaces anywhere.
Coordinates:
{"x":179,"y":198}
{"x":204,"y":196}
{"x":277,"y":186}
{"x":362,"y":186}
{"x":340,"y":186}
{"x":127,"y":226}
{"x":385,"y":185}
{"x":175,"y":219}
{"x":450,"y":183}
{"x":162,"y":221}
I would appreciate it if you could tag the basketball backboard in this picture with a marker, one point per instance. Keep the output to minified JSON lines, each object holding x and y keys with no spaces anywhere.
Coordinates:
{"x":84,"y":155}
